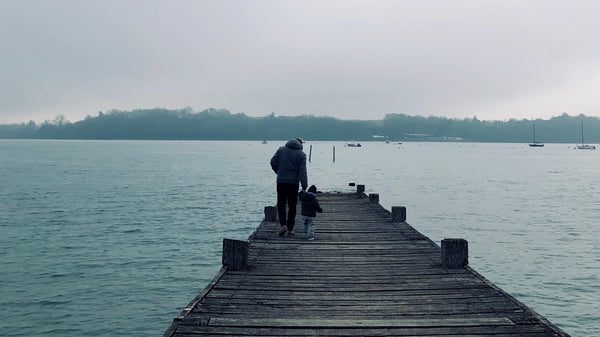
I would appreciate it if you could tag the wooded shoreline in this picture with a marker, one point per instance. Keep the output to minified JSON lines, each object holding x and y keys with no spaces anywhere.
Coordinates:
{"x":211,"y":124}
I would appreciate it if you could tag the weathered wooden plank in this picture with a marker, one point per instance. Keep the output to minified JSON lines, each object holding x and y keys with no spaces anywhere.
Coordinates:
{"x":505,"y":331}
{"x":407,"y":296}
{"x":358,"y":323}
{"x":350,"y":286}
{"x":377,"y":312}
{"x":330,"y":296}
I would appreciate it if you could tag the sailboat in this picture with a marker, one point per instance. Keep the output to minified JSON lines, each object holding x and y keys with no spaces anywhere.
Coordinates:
{"x":584,"y":146}
{"x":535,"y":144}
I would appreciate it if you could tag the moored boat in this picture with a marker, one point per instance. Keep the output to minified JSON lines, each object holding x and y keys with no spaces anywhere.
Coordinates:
{"x":535,"y":143}
{"x":583,"y":145}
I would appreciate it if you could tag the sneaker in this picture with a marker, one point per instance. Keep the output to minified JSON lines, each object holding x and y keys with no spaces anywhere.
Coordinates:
{"x":291,"y":232}
{"x":282,"y":230}
{"x":310,"y":238}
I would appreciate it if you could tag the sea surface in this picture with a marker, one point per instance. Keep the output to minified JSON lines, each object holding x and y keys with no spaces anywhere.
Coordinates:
{"x":105,"y":238}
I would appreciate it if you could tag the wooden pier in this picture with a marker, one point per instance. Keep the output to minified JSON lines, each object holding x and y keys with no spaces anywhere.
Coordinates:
{"x":367,"y":273}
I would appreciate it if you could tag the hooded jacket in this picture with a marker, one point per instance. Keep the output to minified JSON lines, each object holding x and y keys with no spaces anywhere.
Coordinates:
{"x":310,"y":205}
{"x":289,"y":162}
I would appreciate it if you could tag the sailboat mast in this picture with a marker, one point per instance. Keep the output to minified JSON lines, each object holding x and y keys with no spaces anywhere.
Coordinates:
{"x":535,"y":143}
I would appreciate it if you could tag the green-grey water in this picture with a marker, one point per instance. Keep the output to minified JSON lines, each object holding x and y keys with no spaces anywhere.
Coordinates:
{"x":115,"y":237}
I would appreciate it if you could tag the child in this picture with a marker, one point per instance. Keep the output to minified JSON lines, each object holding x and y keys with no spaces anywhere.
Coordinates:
{"x":310,"y":207}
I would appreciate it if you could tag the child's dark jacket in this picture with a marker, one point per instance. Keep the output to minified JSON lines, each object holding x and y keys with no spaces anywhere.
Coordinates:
{"x":310,"y":205}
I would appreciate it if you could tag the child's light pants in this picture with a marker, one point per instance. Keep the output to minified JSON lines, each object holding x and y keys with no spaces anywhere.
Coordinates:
{"x":309,"y":225}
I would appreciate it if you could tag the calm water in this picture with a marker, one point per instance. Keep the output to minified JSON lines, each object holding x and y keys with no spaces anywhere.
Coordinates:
{"x":100,"y":238}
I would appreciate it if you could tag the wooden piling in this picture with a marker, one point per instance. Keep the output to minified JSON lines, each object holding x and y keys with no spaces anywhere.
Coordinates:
{"x":271,"y":213}
{"x":455,"y":253}
{"x":374,"y":197}
{"x":235,"y":254}
{"x":399,"y":213}
{"x":310,"y":154}
{"x":360,"y":189}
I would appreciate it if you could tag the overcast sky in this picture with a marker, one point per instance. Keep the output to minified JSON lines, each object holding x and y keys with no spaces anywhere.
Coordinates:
{"x":348,"y":59}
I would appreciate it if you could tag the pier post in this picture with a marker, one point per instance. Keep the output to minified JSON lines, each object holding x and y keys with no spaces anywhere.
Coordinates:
{"x":455,"y":253}
{"x":271,"y":213}
{"x":360,"y":189}
{"x":334,"y":154}
{"x":235,"y":254}
{"x":399,"y":213}
{"x":374,"y":197}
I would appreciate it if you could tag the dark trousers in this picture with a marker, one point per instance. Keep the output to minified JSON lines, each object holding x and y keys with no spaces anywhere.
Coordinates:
{"x":287,"y":194}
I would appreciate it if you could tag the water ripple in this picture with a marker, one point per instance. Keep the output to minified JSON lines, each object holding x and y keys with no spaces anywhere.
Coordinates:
{"x":100,"y":228}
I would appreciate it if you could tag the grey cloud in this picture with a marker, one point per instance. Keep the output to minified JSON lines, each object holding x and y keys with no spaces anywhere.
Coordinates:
{"x":349,"y":59}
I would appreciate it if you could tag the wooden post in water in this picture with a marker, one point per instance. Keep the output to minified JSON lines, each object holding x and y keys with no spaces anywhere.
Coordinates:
{"x":310,"y":153}
{"x":455,"y":253}
{"x":235,"y":254}
{"x":271,"y":213}
{"x":374,"y":197}
{"x":334,"y":154}
{"x":360,"y":189}
{"x":399,"y":213}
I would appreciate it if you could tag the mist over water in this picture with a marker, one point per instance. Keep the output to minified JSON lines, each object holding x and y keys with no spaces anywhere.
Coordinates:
{"x":116,"y":237}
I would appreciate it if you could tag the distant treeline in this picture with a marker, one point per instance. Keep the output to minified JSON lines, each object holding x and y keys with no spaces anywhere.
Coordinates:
{"x":213,"y":124}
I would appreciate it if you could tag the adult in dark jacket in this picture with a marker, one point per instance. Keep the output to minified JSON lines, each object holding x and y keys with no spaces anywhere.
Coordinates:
{"x":289,"y":162}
